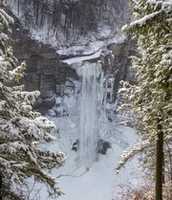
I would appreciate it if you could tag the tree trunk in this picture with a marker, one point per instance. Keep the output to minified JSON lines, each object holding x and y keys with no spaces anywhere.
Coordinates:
{"x":159,"y":165}
{"x":0,"y":186}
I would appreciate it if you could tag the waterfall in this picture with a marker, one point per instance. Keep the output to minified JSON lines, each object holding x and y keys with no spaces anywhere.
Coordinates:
{"x":90,"y":111}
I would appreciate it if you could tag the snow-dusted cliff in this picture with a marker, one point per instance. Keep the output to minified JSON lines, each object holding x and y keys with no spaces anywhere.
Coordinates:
{"x":64,"y":23}
{"x":56,"y":36}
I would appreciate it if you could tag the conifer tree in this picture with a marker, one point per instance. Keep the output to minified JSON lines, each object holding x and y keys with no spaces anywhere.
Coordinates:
{"x":152,"y":94}
{"x":21,"y":129}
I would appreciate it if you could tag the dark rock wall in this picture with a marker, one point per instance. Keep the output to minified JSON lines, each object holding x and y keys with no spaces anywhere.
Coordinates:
{"x":120,"y":63}
{"x":116,"y":64}
{"x":44,"y":69}
{"x":70,"y":20}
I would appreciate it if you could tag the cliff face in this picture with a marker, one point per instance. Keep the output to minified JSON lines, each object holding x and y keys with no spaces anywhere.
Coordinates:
{"x":50,"y":34}
{"x":71,"y":22}
{"x":44,"y":68}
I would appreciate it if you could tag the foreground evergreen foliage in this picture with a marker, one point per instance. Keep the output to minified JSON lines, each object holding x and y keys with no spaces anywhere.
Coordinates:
{"x":21,"y":129}
{"x":152,"y":93}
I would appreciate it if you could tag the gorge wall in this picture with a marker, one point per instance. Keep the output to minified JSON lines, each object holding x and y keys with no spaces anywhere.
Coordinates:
{"x":50,"y":33}
{"x":71,"y":22}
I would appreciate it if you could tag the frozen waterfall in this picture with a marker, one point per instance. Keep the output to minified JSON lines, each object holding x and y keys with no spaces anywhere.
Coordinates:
{"x":92,"y":92}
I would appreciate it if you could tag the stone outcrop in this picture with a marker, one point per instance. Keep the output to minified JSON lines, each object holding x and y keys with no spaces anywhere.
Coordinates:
{"x":103,"y":146}
{"x":120,"y":63}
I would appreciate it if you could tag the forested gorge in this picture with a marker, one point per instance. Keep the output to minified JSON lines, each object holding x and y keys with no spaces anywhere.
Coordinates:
{"x":86,"y":99}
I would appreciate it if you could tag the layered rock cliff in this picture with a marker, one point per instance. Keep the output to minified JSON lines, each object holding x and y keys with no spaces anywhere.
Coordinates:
{"x":71,"y":22}
{"x":53,"y":35}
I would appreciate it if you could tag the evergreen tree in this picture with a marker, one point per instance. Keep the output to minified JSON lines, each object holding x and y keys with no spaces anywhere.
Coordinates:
{"x":152,"y":94}
{"x":21,"y":129}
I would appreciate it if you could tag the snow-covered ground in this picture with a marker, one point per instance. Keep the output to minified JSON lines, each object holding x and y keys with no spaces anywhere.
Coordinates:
{"x":100,"y":181}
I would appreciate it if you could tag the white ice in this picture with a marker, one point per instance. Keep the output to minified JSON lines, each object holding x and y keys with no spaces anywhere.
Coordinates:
{"x":82,"y":58}
{"x":100,"y":181}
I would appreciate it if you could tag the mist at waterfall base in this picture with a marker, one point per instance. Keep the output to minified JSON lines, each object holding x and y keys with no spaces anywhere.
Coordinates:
{"x":83,"y":115}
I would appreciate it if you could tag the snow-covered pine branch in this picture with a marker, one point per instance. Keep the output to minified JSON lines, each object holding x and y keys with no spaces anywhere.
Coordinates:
{"x":21,"y":128}
{"x":18,"y":72}
{"x":150,"y":96}
{"x":160,"y":9}
{"x":131,"y":152}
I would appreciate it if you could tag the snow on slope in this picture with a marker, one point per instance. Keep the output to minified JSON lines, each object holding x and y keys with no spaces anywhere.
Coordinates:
{"x":100,"y":182}
{"x":89,"y":50}
{"x":82,"y":58}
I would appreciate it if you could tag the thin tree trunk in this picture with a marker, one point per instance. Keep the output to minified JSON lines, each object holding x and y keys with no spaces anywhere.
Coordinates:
{"x":159,"y":165}
{"x":0,"y":186}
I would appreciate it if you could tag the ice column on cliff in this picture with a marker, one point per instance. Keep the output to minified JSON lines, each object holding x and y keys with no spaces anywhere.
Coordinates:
{"x":92,"y":93}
